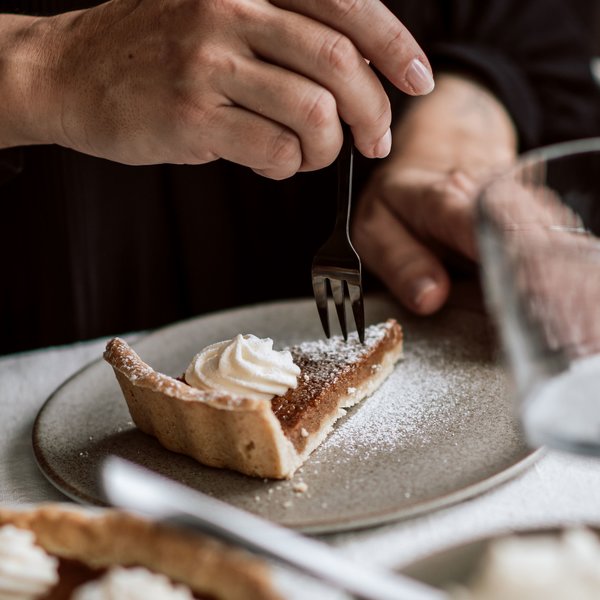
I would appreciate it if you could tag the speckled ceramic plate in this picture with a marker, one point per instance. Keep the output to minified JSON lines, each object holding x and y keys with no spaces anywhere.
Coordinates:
{"x":440,"y":429}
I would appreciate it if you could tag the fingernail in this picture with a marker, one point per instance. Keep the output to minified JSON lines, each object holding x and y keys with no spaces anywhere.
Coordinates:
{"x":421,"y":288}
{"x":384,"y":145}
{"x":419,"y":77}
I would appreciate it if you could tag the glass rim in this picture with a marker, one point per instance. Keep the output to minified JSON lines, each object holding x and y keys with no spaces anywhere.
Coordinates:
{"x":546,"y":153}
{"x":551,"y":152}
{"x":558,"y":150}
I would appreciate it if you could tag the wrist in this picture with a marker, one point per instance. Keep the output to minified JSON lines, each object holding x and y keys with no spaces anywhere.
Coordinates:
{"x":30,"y":110}
{"x":460,"y":126}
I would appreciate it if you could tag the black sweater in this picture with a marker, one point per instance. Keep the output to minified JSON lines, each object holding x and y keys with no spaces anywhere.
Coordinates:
{"x":89,"y":247}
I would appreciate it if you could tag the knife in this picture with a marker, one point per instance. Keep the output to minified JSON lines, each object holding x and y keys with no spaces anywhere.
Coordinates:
{"x":133,"y":488}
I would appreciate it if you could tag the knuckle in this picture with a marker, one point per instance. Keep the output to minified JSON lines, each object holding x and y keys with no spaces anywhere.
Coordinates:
{"x":339,"y":54}
{"x":320,"y":109}
{"x":395,"y":42}
{"x":441,"y":191}
{"x":319,"y":146}
{"x":284,"y":150}
{"x":454,"y":211}
{"x":345,"y":8}
{"x":229,"y":65}
{"x":450,"y":199}
{"x":228,"y":7}
{"x":201,"y":59}
{"x":238,"y":10}
{"x":189,"y":111}
{"x":210,"y":63}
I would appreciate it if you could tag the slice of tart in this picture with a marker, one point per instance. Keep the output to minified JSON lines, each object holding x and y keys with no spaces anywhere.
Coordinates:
{"x":243,"y":406}
{"x":55,"y":552}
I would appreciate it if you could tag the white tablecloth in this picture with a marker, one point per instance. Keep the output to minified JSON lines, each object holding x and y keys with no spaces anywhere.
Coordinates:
{"x":557,"y":489}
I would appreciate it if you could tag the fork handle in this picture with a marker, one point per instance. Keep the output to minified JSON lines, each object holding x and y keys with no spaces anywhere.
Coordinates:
{"x":345,"y":166}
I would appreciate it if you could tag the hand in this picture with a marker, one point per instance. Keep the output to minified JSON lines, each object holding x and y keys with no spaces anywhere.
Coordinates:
{"x":420,"y":204}
{"x":551,"y":255}
{"x":185,"y":81}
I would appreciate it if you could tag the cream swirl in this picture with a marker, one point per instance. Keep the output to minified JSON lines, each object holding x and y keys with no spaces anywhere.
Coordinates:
{"x":26,"y":571}
{"x":245,"y":366}
{"x":132,"y":584}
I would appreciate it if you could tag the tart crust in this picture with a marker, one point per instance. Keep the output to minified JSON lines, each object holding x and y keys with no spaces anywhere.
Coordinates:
{"x":262,"y":438}
{"x":110,"y":538}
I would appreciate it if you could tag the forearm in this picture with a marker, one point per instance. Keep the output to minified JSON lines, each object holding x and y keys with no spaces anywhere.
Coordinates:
{"x":20,"y":55}
{"x":26,"y":72}
{"x":460,"y":126}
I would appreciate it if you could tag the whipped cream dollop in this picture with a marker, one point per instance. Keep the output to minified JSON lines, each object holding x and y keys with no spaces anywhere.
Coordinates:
{"x":27,"y":572}
{"x":132,"y":584}
{"x":245,"y":366}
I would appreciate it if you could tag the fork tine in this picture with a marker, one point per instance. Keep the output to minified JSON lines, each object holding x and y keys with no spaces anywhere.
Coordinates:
{"x":320,"y":293}
{"x":358,"y":309}
{"x":338,"y":291}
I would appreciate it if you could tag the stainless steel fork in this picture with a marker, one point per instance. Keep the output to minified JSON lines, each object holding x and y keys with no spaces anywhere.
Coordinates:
{"x":336,"y":266}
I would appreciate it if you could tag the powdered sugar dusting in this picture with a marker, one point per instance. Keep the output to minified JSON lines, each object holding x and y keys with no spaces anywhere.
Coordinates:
{"x":323,"y":361}
{"x":337,"y":351}
{"x":430,"y":392}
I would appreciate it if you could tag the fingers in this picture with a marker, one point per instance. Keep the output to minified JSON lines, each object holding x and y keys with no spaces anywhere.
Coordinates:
{"x":325,"y":56}
{"x":182,"y":117}
{"x":378,"y":35}
{"x":411,"y":272}
{"x":442,"y":209}
{"x":254,"y":141}
{"x":287,"y":98}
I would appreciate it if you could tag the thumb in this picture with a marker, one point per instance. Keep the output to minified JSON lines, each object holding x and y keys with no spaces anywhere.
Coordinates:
{"x":411,"y":271}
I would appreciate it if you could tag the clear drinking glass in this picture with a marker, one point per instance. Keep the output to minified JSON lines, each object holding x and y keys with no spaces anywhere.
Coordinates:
{"x":538,"y":228}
